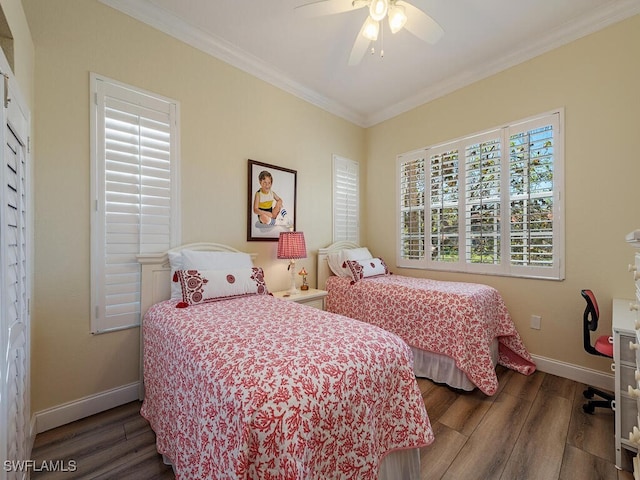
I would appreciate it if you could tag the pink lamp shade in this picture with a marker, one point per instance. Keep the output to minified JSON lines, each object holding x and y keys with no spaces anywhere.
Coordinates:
{"x":291,"y":245}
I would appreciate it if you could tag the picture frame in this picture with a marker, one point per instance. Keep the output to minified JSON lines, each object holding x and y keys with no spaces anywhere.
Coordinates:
{"x":264,"y":224}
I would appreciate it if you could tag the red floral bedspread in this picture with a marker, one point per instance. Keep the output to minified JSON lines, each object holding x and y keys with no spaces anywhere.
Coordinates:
{"x":259,"y":387}
{"x":456,"y":319}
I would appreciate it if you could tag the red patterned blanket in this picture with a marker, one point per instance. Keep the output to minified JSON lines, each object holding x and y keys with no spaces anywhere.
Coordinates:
{"x":258,"y":387}
{"x":456,"y":319}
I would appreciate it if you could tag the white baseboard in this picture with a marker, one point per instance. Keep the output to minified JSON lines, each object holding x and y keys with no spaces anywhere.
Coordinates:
{"x":84,"y":407}
{"x":595,"y":378}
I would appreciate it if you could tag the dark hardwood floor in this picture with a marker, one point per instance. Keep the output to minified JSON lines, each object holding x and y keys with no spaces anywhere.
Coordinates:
{"x":533,"y":428}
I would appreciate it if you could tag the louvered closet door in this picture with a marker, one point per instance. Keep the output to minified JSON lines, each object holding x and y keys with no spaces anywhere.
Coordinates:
{"x":14,"y":309}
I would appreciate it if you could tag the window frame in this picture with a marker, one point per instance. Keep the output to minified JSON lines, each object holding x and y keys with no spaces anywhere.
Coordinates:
{"x":100,"y":88}
{"x":505,"y":237}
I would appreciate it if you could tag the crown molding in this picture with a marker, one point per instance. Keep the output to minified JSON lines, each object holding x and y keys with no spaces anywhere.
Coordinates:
{"x":147,"y":13}
{"x":611,"y":12}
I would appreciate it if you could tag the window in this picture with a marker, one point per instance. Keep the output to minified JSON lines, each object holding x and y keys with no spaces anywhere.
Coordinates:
{"x":346,"y":195}
{"x":490,"y":203}
{"x":134,"y":187}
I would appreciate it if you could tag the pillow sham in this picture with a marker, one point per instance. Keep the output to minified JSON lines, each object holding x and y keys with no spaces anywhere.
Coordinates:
{"x":337,"y":259}
{"x":204,"y":260}
{"x":204,"y":286}
{"x":372,"y":267}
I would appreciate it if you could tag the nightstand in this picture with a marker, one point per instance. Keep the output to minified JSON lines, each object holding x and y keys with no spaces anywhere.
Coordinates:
{"x":312,"y":297}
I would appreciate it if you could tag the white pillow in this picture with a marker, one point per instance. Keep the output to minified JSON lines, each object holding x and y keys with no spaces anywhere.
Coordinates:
{"x":361,"y":253}
{"x":205,"y":286}
{"x":336,"y":260}
{"x":335,"y":263}
{"x":203,"y":260}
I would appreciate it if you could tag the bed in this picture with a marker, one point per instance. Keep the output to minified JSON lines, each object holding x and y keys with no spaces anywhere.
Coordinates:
{"x":247,"y":386}
{"x":458,"y":331}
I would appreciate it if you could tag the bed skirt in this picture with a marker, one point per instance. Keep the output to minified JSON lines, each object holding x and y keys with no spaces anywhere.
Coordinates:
{"x":397,"y":465}
{"x":442,"y":369}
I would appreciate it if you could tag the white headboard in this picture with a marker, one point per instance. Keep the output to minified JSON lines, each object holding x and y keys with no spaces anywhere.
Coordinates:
{"x":323,"y":270}
{"x":155,"y":285}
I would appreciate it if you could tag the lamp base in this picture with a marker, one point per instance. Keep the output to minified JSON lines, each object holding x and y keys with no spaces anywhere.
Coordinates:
{"x":293,"y":290}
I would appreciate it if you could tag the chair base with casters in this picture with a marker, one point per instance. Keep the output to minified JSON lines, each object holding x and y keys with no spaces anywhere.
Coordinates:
{"x":591,"y":405}
{"x":603,"y":347}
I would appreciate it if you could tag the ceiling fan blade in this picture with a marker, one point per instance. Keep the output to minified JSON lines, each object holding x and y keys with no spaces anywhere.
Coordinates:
{"x":360,"y":47}
{"x":421,"y":25}
{"x":328,"y":7}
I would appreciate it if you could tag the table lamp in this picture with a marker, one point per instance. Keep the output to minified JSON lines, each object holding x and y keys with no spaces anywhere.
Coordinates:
{"x":291,"y":246}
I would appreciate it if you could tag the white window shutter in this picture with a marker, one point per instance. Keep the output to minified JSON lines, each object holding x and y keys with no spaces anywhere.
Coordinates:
{"x":346,"y":200}
{"x":444,"y":212}
{"x":535,"y":185}
{"x":483,"y":199}
{"x":411,"y":220}
{"x":491,"y":203}
{"x":135,"y":172}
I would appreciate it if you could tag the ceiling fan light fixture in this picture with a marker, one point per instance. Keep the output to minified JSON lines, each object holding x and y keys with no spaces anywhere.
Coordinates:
{"x":397,"y":18}
{"x":370,"y":29}
{"x":378,"y":9}
{"x":402,"y":15}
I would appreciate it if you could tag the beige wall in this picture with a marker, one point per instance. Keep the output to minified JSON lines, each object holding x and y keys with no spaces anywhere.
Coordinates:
{"x":597,"y":80}
{"x":227,"y":117}
{"x":23,"y":49}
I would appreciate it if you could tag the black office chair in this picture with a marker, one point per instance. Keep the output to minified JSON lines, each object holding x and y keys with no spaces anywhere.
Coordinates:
{"x":602,"y":347}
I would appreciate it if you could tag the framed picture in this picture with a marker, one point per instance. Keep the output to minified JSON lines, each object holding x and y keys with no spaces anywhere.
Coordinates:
{"x":272,"y":201}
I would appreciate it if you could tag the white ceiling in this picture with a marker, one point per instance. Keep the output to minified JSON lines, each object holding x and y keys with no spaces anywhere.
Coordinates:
{"x":309,"y":56}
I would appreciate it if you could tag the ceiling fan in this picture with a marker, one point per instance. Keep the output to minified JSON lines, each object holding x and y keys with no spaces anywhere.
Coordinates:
{"x":399,"y":13}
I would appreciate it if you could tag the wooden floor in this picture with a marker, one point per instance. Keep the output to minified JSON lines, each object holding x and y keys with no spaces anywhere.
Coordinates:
{"x":533,"y":428}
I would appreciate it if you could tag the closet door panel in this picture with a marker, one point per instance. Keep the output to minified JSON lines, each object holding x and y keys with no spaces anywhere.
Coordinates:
{"x":14,"y":312}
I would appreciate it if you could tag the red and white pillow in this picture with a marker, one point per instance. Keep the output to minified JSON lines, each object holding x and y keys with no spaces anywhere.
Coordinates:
{"x":359,"y":269}
{"x":204,"y":260}
{"x":205,"y":286}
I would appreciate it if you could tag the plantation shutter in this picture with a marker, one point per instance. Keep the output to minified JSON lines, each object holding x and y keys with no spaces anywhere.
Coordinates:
{"x":483,"y":157}
{"x":489,"y":203}
{"x":444,"y":192}
{"x":412,"y":183}
{"x":533,"y":184}
{"x":136,"y":138}
{"x":346,"y":195}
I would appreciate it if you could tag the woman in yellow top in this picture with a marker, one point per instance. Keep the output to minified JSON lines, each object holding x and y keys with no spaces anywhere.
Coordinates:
{"x":267,"y":205}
